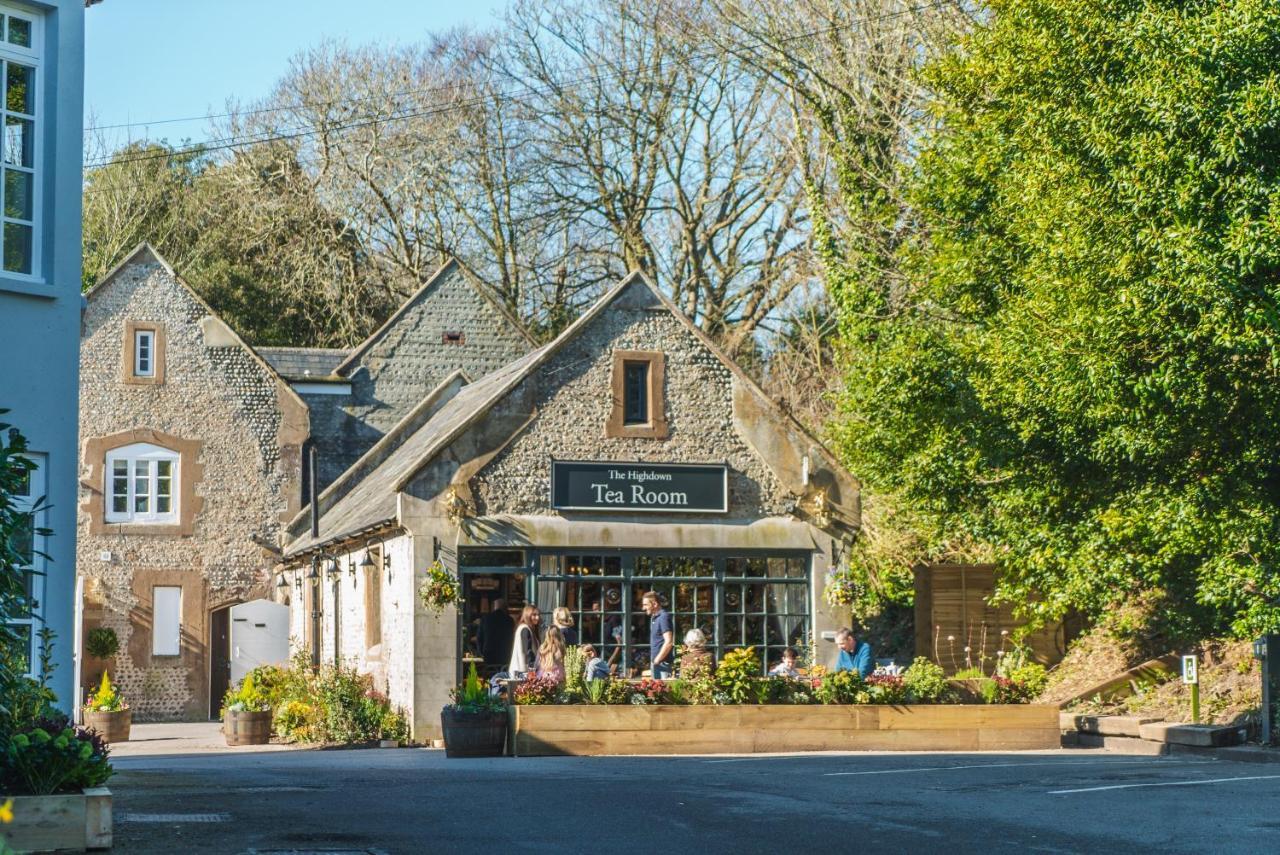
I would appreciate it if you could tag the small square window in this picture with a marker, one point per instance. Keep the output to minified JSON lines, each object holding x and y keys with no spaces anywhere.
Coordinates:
{"x":19,"y":32}
{"x":636,"y":393}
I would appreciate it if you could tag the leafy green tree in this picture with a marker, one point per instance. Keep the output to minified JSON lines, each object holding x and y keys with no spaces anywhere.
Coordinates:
{"x":1084,"y":378}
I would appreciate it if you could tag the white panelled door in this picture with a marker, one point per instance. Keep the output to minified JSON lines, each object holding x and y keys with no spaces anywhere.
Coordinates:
{"x":259,"y":636}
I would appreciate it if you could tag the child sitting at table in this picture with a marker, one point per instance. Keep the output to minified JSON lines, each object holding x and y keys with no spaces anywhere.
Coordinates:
{"x":596,"y":668}
{"x":787,"y":666}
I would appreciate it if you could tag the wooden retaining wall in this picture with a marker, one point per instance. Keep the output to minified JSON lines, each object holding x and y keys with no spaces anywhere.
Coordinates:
{"x":588,"y":730}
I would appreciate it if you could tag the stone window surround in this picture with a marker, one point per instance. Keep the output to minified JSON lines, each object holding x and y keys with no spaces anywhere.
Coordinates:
{"x":190,"y":473}
{"x":656,"y":427}
{"x":131,"y":330}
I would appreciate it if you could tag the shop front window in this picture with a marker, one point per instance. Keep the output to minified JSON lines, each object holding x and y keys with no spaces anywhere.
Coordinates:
{"x":736,"y":600}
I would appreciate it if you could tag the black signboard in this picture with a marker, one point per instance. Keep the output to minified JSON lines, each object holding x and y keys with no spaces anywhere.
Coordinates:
{"x":654,"y":487}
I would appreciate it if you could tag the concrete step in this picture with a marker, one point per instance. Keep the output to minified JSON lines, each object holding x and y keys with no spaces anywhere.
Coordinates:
{"x":1105,"y":725}
{"x":1199,"y":735}
{"x":1122,"y":744}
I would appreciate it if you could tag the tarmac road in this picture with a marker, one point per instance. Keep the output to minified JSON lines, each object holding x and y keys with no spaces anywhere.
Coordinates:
{"x":415,"y":800}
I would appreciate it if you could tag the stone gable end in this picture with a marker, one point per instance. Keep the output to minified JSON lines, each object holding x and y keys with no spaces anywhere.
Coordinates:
{"x":217,"y":403}
{"x":412,"y":356}
{"x":573,"y":401}
{"x":406,"y":360}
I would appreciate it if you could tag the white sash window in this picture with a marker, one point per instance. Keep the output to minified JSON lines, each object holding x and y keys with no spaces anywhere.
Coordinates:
{"x":142,"y":484}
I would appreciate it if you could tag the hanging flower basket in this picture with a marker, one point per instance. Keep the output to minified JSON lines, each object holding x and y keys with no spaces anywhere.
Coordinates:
{"x":440,"y":589}
{"x":843,"y":588}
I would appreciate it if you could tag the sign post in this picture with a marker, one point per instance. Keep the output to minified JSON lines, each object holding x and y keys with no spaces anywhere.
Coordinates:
{"x":1191,"y":677}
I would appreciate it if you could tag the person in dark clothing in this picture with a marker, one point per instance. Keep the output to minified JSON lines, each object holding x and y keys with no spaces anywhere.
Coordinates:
{"x":661,"y":636}
{"x":496,"y":633}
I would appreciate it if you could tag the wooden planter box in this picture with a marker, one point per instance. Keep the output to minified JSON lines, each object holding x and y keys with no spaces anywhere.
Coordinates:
{"x":247,"y":728}
{"x":113,"y":726}
{"x":540,"y":730}
{"x":75,"y":822}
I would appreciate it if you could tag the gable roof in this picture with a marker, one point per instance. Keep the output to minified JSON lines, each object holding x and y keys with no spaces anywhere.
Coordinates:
{"x":304,"y":363}
{"x":373,"y":501}
{"x":139,"y":255}
{"x":431,"y":284}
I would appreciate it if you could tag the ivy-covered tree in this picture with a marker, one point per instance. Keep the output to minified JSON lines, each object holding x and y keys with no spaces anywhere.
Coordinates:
{"x":1084,"y":377}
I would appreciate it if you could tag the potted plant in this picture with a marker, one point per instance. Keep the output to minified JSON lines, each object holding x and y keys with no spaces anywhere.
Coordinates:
{"x":106,"y":712}
{"x":246,"y":714}
{"x":475,"y":724}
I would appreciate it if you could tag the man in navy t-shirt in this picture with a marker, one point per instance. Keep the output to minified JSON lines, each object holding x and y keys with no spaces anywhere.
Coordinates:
{"x":661,"y":636}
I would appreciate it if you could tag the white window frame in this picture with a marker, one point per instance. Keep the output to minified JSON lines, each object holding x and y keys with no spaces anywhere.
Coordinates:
{"x":141,"y":369}
{"x":166,"y":620}
{"x":141,"y":463}
{"x":36,"y":485}
{"x":34,"y":58}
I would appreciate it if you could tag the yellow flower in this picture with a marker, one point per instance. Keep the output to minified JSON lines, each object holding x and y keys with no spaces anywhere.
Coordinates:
{"x":6,"y":811}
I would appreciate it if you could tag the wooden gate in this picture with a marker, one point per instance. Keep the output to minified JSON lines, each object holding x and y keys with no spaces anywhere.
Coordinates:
{"x":953,"y":612}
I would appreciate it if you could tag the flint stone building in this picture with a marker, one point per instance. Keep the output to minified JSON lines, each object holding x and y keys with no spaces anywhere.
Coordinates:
{"x":451,"y":324}
{"x":628,"y":454}
{"x":190,"y":454}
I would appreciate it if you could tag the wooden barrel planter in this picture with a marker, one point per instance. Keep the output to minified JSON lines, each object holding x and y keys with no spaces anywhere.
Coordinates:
{"x":247,"y":728}
{"x":474,"y":734}
{"x":112,"y":726}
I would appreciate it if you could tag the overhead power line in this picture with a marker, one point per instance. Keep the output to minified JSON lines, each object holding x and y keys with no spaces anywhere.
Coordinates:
{"x":304,"y":131}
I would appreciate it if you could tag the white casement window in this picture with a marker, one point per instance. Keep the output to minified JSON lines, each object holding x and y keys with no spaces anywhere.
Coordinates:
{"x":20,"y":67}
{"x":25,"y":617}
{"x":142,"y":482}
{"x":166,"y":613}
{"x":144,"y":353}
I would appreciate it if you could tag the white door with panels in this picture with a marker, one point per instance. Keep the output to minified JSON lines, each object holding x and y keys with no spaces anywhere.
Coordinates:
{"x":259,"y":636}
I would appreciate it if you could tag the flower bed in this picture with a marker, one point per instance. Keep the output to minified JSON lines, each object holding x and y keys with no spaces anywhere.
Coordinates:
{"x":731,"y":710}
{"x":582,"y":729}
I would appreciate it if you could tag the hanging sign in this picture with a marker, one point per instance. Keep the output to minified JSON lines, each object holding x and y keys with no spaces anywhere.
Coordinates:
{"x":647,"y":487}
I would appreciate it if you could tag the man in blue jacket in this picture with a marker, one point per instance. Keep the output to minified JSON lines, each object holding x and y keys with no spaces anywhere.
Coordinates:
{"x":853,"y":655}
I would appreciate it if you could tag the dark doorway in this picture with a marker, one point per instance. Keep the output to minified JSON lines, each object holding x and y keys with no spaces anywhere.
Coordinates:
{"x":219,"y":658}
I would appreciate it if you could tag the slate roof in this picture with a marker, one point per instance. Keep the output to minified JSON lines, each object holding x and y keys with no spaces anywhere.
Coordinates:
{"x":372,"y":502}
{"x":303,"y":363}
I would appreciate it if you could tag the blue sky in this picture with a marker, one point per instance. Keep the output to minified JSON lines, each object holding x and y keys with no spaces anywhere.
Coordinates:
{"x":147,"y":60}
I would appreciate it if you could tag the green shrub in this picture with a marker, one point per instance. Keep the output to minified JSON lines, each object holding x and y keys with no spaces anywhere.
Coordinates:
{"x":887,"y":689}
{"x":736,"y":675}
{"x":594,"y":691}
{"x":842,"y":687}
{"x":926,"y":682}
{"x":294,"y":720}
{"x":1031,"y":676}
{"x":101,"y":642}
{"x":575,"y":668}
{"x":472,"y":696}
{"x":55,"y":758}
{"x":246,"y":697}
{"x":974,"y":673}
{"x":616,"y":691}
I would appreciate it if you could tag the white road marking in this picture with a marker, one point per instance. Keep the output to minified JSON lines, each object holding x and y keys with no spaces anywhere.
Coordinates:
{"x":175,"y":817}
{"x":765,"y":757}
{"x":1012,"y":765}
{"x":1165,"y":784}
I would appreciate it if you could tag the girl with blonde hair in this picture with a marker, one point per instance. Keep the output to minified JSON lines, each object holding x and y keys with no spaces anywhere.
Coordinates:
{"x":563,"y":620}
{"x":551,"y":655}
